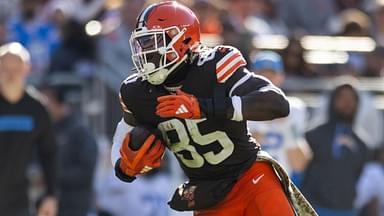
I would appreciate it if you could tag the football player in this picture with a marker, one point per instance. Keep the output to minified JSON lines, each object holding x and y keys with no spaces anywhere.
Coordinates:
{"x":199,"y":98}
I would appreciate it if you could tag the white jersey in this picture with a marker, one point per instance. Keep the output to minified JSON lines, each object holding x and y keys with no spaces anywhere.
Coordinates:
{"x":371,"y":185}
{"x":146,"y":196}
{"x":277,"y":136}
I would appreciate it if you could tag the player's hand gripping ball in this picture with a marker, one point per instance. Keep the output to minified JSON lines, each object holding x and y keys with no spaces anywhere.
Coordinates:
{"x":140,"y":152}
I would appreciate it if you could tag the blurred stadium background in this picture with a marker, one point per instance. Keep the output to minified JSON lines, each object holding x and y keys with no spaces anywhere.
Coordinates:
{"x":84,"y":43}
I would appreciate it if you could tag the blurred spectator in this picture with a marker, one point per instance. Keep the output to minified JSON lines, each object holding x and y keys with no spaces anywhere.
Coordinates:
{"x":146,"y":197}
{"x":294,"y":62}
{"x":76,"y":153}
{"x":282,"y":138}
{"x":114,"y":55}
{"x":338,"y":156}
{"x":115,"y":62}
{"x":265,"y":18}
{"x":306,"y":16}
{"x":369,"y":121}
{"x":370,"y":188}
{"x":374,"y":63}
{"x":8,"y":8}
{"x":350,"y":22}
{"x":115,"y":51}
{"x":238,"y":11}
{"x":25,"y":126}
{"x":77,"y":51}
{"x":208,"y":13}
{"x":3,"y":32}
{"x":79,"y":10}
{"x":234,"y":31}
{"x":378,"y":22}
{"x":38,"y":35}
{"x":348,"y":4}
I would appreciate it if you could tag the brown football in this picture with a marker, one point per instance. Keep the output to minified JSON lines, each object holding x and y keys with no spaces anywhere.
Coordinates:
{"x":138,"y":137}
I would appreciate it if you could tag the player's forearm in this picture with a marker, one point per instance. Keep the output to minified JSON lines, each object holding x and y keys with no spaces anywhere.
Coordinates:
{"x":262,"y":106}
{"x":255,"y":106}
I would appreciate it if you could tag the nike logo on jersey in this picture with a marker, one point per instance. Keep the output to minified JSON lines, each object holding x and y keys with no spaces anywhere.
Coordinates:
{"x":182,"y":109}
{"x":256,"y":180}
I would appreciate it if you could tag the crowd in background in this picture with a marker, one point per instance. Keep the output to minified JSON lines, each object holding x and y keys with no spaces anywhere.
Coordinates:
{"x":55,"y":30}
{"x":83,"y":45}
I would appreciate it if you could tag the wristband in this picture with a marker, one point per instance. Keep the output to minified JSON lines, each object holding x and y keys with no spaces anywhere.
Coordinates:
{"x":237,"y":109}
{"x":122,"y":176}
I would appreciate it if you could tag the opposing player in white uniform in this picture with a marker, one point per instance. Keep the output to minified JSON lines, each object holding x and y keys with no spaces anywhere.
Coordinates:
{"x":282,"y":138}
{"x":370,"y":187}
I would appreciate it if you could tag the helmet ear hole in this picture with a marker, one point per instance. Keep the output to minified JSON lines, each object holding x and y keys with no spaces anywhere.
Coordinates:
{"x":186,"y":41}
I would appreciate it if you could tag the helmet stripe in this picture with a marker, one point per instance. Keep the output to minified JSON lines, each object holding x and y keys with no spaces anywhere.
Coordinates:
{"x":144,"y":16}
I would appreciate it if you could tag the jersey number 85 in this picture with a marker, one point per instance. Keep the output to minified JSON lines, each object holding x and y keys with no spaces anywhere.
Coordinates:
{"x":191,"y":131}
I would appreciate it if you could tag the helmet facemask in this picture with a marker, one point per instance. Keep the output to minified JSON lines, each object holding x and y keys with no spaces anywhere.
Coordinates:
{"x":153,"y":53}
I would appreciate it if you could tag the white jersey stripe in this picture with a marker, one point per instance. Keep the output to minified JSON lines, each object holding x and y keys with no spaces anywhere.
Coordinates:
{"x":226,"y":57}
{"x":143,"y":15}
{"x":238,"y":83}
{"x":231,"y":71}
{"x":271,"y":87}
{"x":229,"y":66}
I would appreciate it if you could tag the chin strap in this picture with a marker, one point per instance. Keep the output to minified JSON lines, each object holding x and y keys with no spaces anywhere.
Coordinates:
{"x":161,"y":75}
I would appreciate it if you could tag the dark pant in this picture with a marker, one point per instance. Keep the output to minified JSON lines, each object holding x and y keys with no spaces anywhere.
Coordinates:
{"x":332,"y":212}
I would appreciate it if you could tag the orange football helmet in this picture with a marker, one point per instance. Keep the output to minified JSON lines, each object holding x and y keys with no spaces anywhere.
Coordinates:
{"x":165,"y":33}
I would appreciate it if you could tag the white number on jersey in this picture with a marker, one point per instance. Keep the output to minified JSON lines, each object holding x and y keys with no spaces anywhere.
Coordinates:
{"x":184,"y":142}
{"x":205,"y":56}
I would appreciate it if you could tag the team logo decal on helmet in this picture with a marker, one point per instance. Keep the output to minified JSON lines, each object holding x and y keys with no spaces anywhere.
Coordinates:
{"x":164,"y":34}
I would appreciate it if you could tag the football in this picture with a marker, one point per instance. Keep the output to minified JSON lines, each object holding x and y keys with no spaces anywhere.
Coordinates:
{"x":138,"y":136}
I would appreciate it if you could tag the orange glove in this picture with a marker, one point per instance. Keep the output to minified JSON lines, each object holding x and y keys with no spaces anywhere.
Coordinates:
{"x":181,"y":105}
{"x":147,"y":157}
